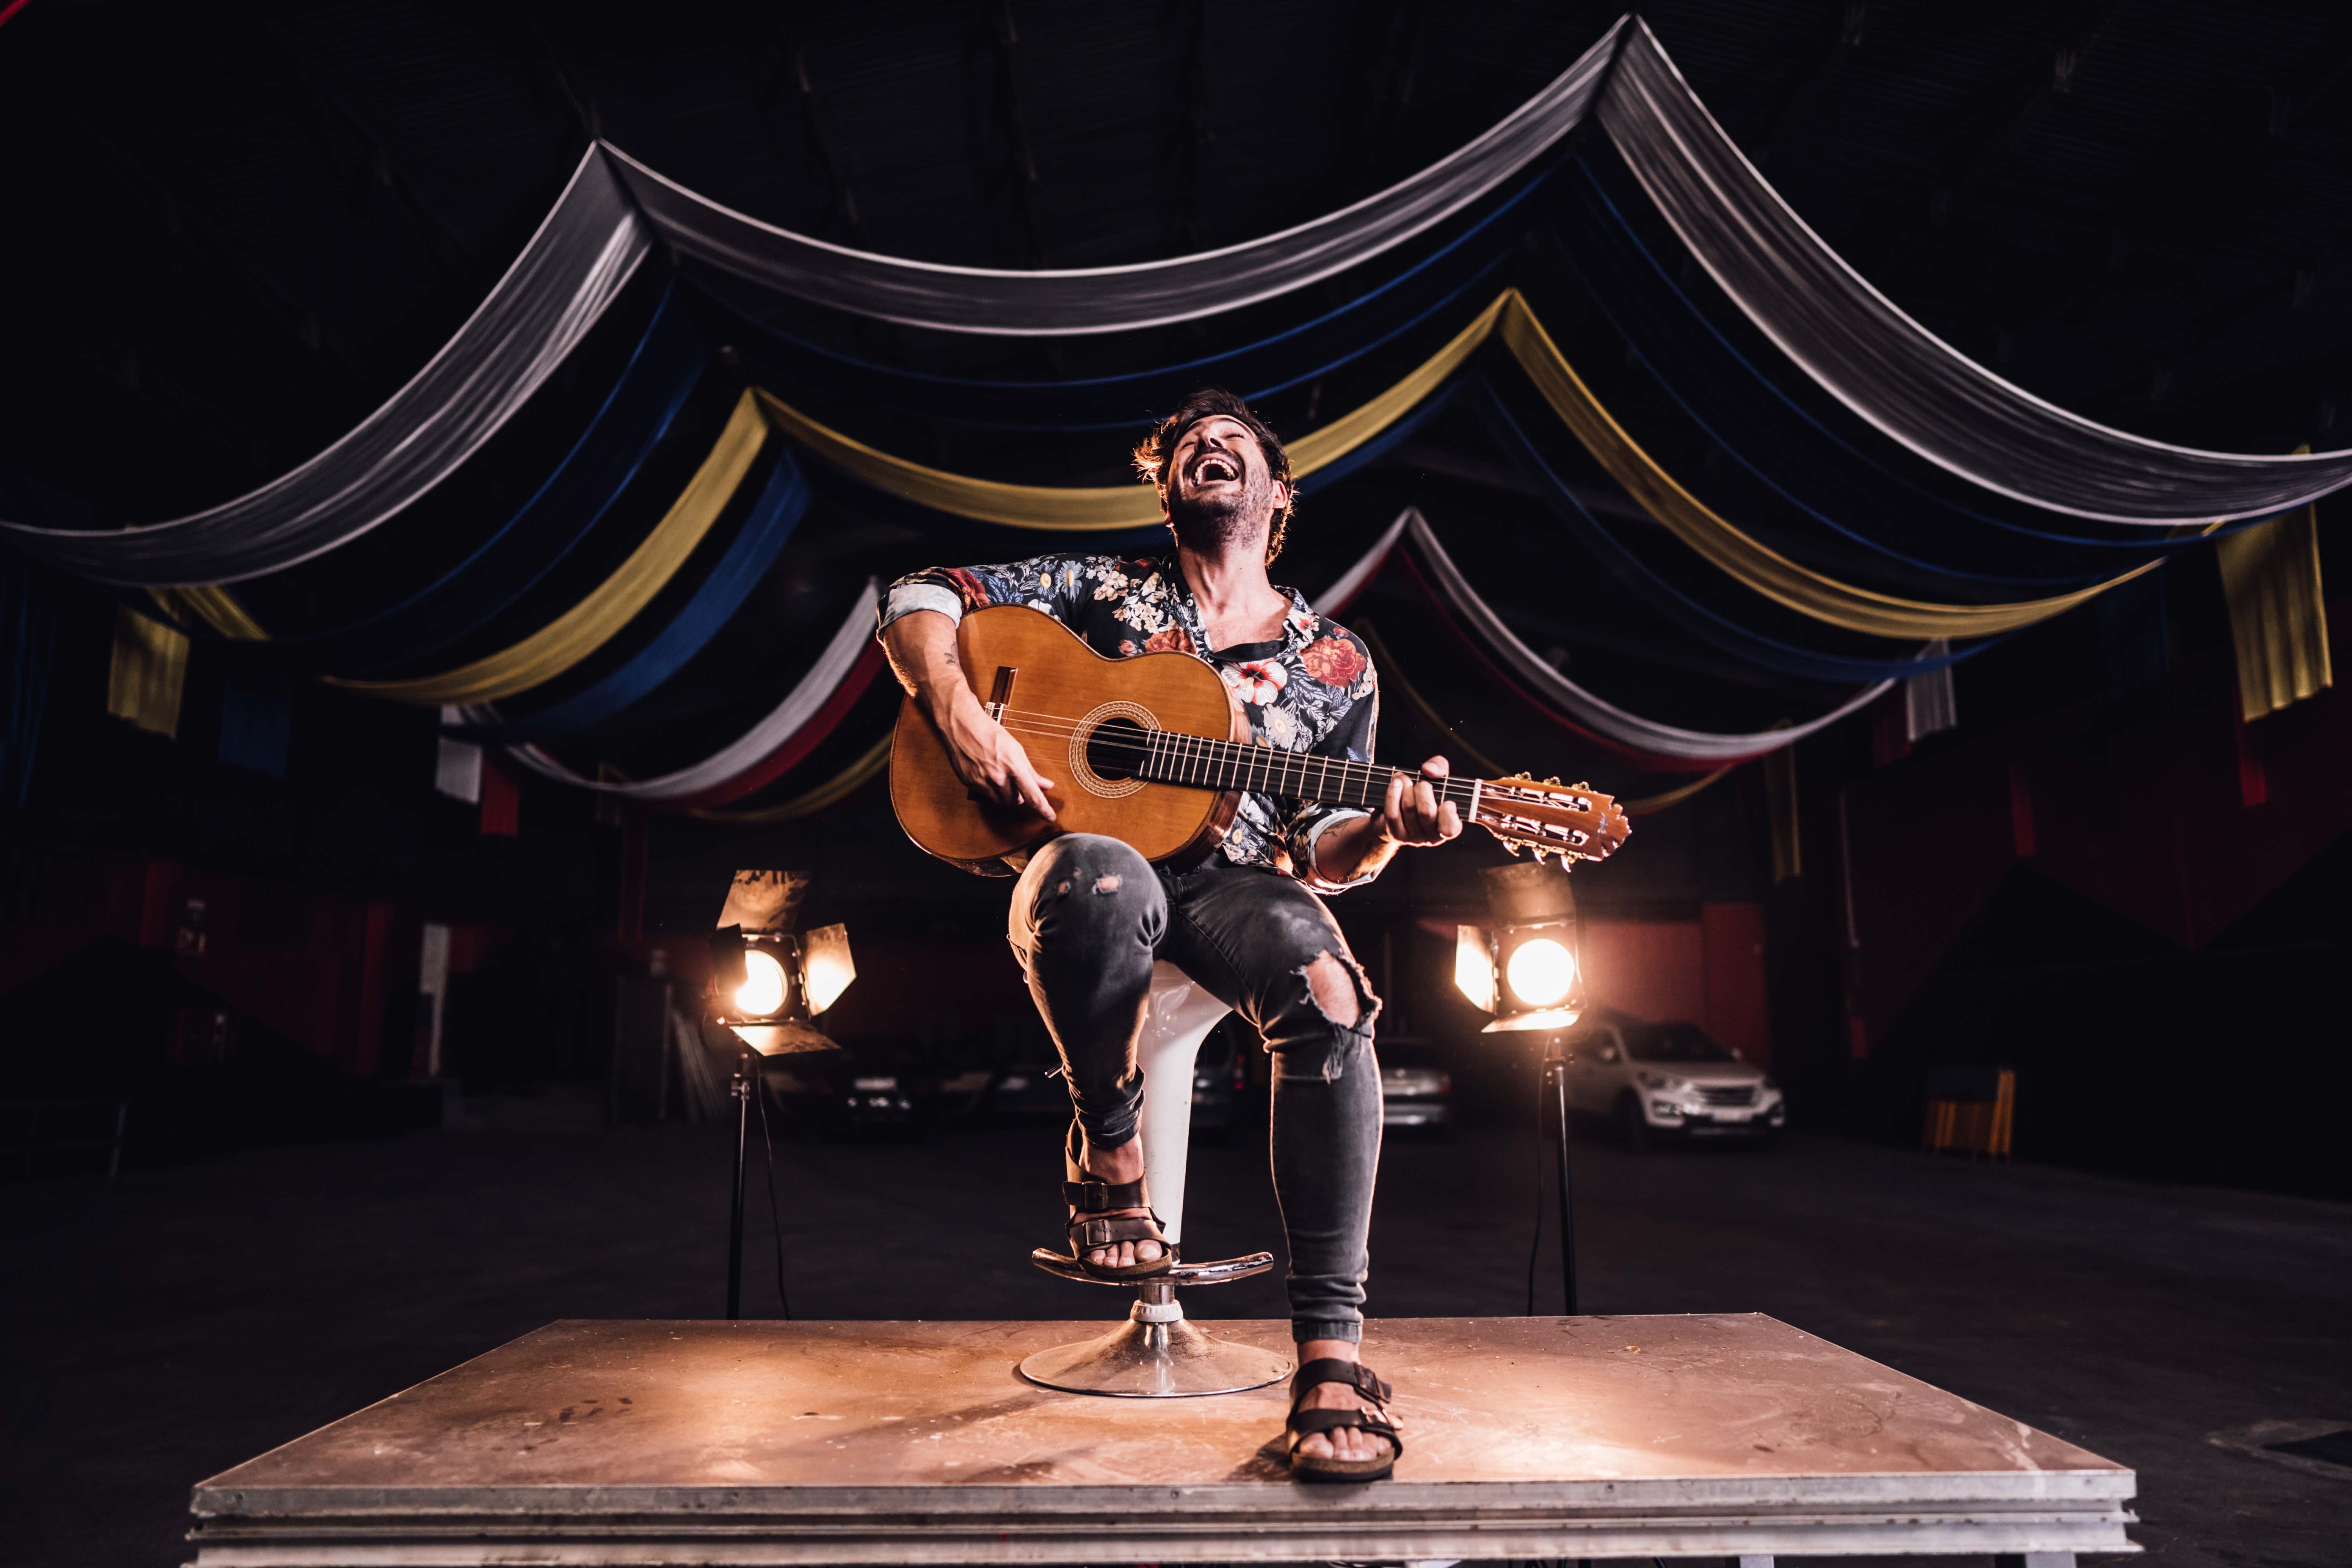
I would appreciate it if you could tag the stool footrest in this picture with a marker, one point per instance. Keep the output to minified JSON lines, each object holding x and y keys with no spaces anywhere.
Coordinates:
{"x":1221,"y":1272}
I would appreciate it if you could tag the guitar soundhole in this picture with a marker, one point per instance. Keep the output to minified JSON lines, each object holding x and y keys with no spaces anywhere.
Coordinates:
{"x":1115,"y":749}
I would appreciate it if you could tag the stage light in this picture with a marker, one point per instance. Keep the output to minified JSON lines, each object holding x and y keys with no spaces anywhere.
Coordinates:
{"x":766,"y":982}
{"x":1474,"y":966}
{"x":826,"y":969}
{"x":761,"y":995}
{"x":1523,"y":970}
{"x":1540,"y":972}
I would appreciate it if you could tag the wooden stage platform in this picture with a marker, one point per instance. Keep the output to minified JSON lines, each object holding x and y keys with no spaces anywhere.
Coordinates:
{"x":639,"y":1443}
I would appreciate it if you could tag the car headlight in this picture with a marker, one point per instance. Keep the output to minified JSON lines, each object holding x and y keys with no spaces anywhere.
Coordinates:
{"x":1771,"y":1085}
{"x":1666,"y":1082}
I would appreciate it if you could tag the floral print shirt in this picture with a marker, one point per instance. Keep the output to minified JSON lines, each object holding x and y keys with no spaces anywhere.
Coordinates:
{"x":1312,"y":690}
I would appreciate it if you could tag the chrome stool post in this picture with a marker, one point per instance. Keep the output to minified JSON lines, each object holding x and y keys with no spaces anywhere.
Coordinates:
{"x":1157,"y":1354}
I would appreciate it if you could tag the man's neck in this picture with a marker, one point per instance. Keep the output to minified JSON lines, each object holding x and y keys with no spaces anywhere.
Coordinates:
{"x":1230,"y":585}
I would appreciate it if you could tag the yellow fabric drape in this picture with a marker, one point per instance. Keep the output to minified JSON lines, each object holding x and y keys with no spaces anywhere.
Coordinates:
{"x":148,"y":669}
{"x":215,"y":606}
{"x":1392,"y":679}
{"x":1105,"y":507}
{"x":1109,"y":508}
{"x":2278,"y":617}
{"x":592,"y":622}
{"x":833,"y":791}
{"x":1765,"y":570}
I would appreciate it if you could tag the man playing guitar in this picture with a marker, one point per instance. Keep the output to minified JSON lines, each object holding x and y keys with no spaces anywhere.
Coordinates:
{"x":1089,"y":914}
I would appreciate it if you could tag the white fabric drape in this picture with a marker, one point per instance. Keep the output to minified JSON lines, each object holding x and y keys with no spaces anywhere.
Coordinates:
{"x":1889,"y":369}
{"x":1116,"y":299}
{"x":588,"y":248}
{"x":784,"y":720}
{"x":1603,"y":718}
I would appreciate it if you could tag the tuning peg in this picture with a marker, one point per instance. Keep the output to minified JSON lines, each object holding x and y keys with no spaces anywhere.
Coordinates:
{"x":1553,"y":780}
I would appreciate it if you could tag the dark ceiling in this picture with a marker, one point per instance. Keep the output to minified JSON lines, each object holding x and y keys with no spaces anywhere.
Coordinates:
{"x":233,"y":230}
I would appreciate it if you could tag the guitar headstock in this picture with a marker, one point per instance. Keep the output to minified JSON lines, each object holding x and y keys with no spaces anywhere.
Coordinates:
{"x":1571,"y":821}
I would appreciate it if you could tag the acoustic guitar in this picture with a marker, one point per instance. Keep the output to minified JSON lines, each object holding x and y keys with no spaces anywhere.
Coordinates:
{"x":1150,"y":750}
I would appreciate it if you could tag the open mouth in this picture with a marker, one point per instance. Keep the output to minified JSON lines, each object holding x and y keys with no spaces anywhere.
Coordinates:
{"x":1210,"y":466}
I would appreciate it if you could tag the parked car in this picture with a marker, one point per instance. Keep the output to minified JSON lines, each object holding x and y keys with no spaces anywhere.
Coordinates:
{"x":871,"y":1091}
{"x":1671,"y":1079}
{"x":1416,"y":1088}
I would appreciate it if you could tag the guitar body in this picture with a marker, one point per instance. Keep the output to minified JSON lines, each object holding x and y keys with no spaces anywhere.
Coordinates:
{"x":1059,"y":694}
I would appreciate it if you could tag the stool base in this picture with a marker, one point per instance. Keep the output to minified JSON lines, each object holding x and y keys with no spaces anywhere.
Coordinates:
{"x":1155,"y":1361}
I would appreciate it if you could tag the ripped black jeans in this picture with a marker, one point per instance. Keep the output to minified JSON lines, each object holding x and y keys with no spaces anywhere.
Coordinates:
{"x":1088,"y":917}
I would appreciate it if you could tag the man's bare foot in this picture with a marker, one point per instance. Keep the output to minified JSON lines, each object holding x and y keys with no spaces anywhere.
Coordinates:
{"x":1346,"y":1443}
{"x":1122,"y":1164}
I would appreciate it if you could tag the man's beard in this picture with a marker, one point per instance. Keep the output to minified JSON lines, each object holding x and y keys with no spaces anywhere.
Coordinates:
{"x":1211,"y":523}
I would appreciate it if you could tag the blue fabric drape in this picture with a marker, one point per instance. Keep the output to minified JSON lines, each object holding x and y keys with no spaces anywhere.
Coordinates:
{"x":661,"y":373}
{"x":1708,"y":376}
{"x":1767,"y":653}
{"x":782,"y":503}
{"x":1109,"y":401}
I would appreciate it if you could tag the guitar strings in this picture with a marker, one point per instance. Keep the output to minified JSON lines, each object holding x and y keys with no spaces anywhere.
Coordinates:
{"x":1059,"y":726}
{"x":1238,"y":753}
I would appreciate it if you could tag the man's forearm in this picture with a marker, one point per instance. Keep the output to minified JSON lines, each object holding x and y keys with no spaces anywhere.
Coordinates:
{"x":921,"y":647}
{"x":1356,"y":847}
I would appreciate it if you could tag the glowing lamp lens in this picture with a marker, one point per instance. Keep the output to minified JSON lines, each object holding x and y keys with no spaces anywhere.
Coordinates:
{"x":1540,"y":972}
{"x":762,"y":990}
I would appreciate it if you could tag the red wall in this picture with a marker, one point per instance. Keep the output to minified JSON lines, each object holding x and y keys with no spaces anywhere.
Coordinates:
{"x":1709,"y":970}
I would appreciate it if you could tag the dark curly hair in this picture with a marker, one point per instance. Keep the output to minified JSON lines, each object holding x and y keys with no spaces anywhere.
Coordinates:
{"x":1156,"y":451}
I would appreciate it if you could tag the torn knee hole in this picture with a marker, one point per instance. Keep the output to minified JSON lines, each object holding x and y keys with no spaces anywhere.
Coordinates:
{"x":1105,"y":884}
{"x":1339,"y":995}
{"x":1061,"y":888}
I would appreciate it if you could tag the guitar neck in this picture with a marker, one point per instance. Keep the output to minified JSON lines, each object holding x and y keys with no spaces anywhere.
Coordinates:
{"x":1204,"y":763}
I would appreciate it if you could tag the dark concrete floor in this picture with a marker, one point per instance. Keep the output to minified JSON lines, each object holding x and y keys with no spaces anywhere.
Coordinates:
{"x":179,"y":1320}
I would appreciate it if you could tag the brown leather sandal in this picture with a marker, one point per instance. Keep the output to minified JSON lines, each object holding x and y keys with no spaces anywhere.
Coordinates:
{"x":1090,"y":1196}
{"x":1304,"y":1424}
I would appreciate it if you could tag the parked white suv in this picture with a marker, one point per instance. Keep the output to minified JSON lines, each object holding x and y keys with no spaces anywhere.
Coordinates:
{"x":1653,"y":1078}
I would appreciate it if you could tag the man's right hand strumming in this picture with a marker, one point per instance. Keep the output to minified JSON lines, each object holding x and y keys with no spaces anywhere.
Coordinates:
{"x":922,"y":649}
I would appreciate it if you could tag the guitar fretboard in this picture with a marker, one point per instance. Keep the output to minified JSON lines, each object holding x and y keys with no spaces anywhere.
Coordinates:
{"x":1204,"y":763}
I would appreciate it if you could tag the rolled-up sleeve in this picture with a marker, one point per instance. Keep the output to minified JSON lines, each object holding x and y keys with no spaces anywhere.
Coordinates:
{"x":920,"y":593}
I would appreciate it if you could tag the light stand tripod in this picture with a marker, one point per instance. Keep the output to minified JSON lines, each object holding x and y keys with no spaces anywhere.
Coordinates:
{"x":743,"y":1087}
{"x":1555,"y":1079}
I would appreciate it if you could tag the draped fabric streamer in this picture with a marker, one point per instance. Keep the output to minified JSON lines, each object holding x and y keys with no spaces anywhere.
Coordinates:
{"x":1889,"y":369}
{"x":592,"y":622}
{"x":1394,"y":682}
{"x":145,"y":676}
{"x":2278,"y":617}
{"x":782,"y":504}
{"x":1716,"y":384}
{"x":1672,"y":747}
{"x":1633,"y":569}
{"x":1724,"y":546}
{"x":211,"y":605}
{"x":748,"y":762}
{"x":572,"y":270}
{"x":1105,"y":507}
{"x":1930,"y":703}
{"x":1604,"y":719}
{"x":651,"y":391}
{"x":1116,"y":299}
{"x":832,"y":792}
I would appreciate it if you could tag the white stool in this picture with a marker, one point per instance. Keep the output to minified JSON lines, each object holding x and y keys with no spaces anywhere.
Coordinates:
{"x":1156,"y":1353}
